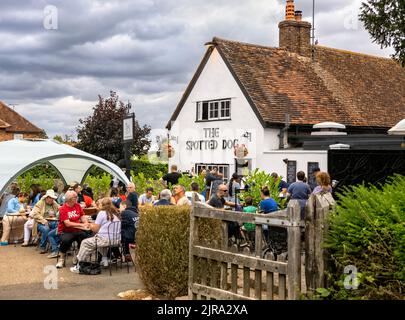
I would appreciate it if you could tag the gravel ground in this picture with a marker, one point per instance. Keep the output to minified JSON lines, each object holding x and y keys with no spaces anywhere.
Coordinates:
{"x":22,"y":276}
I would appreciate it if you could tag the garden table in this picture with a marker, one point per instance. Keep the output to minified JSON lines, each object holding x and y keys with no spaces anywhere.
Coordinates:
{"x":11,"y":222}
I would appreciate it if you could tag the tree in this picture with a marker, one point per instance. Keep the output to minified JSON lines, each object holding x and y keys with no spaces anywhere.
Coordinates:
{"x":101,"y":133}
{"x":384,"y":20}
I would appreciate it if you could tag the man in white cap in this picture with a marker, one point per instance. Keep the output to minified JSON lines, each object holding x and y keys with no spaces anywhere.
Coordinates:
{"x":46,"y":209}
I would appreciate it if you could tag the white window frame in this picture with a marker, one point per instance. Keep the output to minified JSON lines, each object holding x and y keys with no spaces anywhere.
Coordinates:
{"x":215,"y":108}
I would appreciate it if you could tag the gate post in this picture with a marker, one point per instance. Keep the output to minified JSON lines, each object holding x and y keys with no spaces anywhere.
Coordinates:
{"x":192,"y":267}
{"x":294,"y":250}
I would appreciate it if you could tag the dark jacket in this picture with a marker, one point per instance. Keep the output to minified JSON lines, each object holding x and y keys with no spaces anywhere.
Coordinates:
{"x":163,"y":202}
{"x":129,"y":224}
{"x":133,"y":197}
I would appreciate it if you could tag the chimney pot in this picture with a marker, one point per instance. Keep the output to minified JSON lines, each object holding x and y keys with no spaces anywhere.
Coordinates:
{"x":298,"y":15}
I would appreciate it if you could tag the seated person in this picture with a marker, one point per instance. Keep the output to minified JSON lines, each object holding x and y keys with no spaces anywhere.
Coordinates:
{"x":147,"y":198}
{"x":11,"y":193}
{"x":165,"y":197}
{"x":179,"y":194}
{"x":15,"y":205}
{"x":116,"y":200}
{"x":45,"y":208}
{"x":194,"y":193}
{"x":129,"y":224}
{"x":73,"y":225}
{"x":267,"y":205}
{"x":104,"y":235}
{"x":248,"y":229}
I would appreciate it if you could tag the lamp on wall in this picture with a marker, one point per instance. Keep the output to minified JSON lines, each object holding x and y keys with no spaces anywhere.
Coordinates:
{"x":285,"y":160}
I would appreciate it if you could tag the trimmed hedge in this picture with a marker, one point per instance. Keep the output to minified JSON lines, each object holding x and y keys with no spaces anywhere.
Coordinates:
{"x":163,"y":246}
{"x":368,"y":231}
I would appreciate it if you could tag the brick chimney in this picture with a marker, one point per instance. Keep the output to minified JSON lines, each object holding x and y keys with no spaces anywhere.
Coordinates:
{"x":295,"y":34}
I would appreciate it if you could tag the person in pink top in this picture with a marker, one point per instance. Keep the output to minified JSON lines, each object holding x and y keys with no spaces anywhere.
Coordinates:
{"x":73,"y":225}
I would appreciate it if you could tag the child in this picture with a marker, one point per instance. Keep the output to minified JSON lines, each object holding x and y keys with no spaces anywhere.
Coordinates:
{"x":249,"y":228}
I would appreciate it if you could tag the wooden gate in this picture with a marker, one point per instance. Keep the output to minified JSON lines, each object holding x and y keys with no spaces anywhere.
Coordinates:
{"x":210,"y":265}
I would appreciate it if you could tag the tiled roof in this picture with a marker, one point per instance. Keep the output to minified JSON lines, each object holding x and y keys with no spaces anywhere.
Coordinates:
{"x":15,"y":122}
{"x":350,"y":88}
{"x":340,"y":86}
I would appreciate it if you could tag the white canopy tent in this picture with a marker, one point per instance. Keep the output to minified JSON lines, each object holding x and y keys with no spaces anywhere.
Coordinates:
{"x":18,"y":156}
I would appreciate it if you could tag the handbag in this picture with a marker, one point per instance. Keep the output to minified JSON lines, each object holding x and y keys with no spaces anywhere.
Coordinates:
{"x":89,"y":268}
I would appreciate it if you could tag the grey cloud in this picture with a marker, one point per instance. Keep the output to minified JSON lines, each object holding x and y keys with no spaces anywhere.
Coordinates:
{"x":146,"y":50}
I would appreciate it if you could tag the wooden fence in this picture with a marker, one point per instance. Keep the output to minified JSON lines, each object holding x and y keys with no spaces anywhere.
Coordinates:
{"x":218,"y":271}
{"x":210,"y":265}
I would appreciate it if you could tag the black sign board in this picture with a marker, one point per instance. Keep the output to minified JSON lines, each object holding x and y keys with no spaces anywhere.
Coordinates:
{"x":311,"y":176}
{"x":291,"y":171}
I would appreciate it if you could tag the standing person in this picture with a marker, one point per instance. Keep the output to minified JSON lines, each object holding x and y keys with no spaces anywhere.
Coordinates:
{"x":210,"y":177}
{"x":324,"y":185}
{"x":299,"y":191}
{"x":129,"y":224}
{"x":108,"y":214}
{"x":171,"y":178}
{"x":132,"y":195}
{"x":179,"y":194}
{"x":73,"y":225}
{"x":147,"y":198}
{"x":234,"y":188}
{"x":194,"y":193}
{"x":15,"y":205}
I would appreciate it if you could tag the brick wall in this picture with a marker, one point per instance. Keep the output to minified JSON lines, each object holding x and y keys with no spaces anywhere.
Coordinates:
{"x":295,"y":36}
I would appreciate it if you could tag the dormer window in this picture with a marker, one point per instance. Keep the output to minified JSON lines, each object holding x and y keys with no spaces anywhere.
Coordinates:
{"x":214,"y":110}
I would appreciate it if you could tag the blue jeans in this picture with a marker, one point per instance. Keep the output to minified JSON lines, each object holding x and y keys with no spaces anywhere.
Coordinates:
{"x":54,"y":240}
{"x":44,"y":229}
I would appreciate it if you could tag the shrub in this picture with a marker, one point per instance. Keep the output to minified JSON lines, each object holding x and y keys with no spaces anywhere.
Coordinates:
{"x":186,"y":181}
{"x":99,"y":184}
{"x":258,"y":179}
{"x":163,"y":247}
{"x":368,"y":231}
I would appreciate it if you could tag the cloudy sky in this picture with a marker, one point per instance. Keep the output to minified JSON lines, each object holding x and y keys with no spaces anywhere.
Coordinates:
{"x":145,"y":50}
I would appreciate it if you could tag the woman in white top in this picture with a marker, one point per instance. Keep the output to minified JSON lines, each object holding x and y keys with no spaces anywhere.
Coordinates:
{"x":108,"y":214}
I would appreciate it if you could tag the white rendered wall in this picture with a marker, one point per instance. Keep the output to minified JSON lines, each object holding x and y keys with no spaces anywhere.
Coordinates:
{"x":215,"y":82}
{"x":272,"y":161}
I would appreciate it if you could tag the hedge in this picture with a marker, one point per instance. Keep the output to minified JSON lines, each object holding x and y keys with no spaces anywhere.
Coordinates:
{"x":163,"y":246}
{"x":368,"y":232}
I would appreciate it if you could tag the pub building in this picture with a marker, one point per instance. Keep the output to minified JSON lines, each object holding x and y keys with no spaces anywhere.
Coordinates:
{"x":267,"y":101}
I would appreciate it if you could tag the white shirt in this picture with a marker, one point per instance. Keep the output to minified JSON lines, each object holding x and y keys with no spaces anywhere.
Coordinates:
{"x":189,"y":195}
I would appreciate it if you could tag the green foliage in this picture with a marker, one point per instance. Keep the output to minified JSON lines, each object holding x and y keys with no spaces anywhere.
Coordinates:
{"x":368,"y":231}
{"x":142,"y":182}
{"x":100,"y":185}
{"x":150,"y":170}
{"x":27,"y":179}
{"x":186,"y":181}
{"x":258,"y":179}
{"x":163,"y":247}
{"x":384,"y":20}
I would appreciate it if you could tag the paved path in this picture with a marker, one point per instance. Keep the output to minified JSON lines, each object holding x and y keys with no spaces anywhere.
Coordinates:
{"x":22,"y":277}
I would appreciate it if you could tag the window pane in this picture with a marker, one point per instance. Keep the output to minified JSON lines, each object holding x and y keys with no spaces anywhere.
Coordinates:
{"x":205,"y":111}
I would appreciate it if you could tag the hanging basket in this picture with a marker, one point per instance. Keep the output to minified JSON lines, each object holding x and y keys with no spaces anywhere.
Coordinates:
{"x":240,"y":151}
